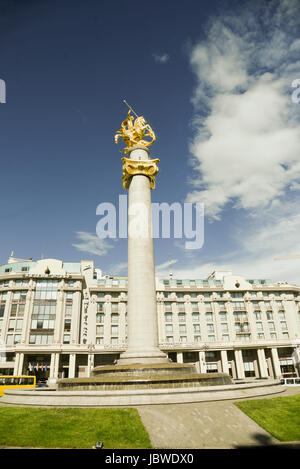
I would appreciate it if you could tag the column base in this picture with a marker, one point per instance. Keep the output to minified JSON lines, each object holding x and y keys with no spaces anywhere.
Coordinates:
{"x":131,"y":358}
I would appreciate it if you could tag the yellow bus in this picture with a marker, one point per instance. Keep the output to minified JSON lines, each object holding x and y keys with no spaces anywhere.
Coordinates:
{"x":12,"y":382}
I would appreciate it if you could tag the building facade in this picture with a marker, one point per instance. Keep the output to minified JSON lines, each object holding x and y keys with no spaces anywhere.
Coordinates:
{"x":62,"y":319}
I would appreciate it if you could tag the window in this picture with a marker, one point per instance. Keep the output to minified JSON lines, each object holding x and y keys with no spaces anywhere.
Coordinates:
{"x":260,"y":335}
{"x":67,"y":325}
{"x":9,"y":339}
{"x":19,"y":324}
{"x":169,"y":339}
{"x":257,"y":315}
{"x":194,"y":305}
{"x":100,"y":306}
{"x":114,"y":317}
{"x":197,"y":338}
{"x":66,"y":338}
{"x":281,"y":315}
{"x":17,"y":338}
{"x":211,"y":338}
{"x":283,"y":325}
{"x":169,"y":327}
{"x":100,"y":294}
{"x":238,"y":305}
{"x":223,"y":316}
{"x":40,"y":339}
{"x":237,"y":295}
{"x":225,"y":338}
{"x":209,"y":317}
{"x":259,"y":326}
{"x":114,"y":330}
{"x":182,"y":338}
{"x":224,"y":327}
{"x":285,"y":335}
{"x":11,"y":324}
{"x":99,"y":330}
{"x":273,"y":335}
{"x":181,"y":317}
{"x":168,"y":317}
{"x":68,"y":311}
{"x":196,"y":327}
{"x":99,"y":317}
{"x":271,"y":326}
{"x":182,"y":328}
{"x":210,"y":328}
{"x":244,"y":337}
{"x":99,"y":340}
{"x":195,"y":317}
{"x":269,"y":315}
{"x":69,"y":295}
{"x":114,"y":341}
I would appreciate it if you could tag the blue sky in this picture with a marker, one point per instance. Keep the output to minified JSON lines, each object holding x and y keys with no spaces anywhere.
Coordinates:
{"x":213,"y":79}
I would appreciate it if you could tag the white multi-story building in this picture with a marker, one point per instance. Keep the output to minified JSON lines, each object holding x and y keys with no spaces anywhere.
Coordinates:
{"x":60,"y":319}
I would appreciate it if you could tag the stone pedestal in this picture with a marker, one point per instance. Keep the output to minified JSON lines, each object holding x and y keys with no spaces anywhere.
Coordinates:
{"x":139,"y":178}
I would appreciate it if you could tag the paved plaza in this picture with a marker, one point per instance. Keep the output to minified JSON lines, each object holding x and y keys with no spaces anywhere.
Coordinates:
{"x":205,"y":425}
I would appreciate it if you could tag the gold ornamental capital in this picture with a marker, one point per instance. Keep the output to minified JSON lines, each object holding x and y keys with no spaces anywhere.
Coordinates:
{"x":132,"y":167}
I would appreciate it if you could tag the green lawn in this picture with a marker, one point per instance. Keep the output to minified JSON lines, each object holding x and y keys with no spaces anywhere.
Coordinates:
{"x":72,"y":428}
{"x":280,"y":416}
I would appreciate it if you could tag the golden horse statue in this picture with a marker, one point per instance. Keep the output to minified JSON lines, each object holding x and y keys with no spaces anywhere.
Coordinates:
{"x":134,"y":133}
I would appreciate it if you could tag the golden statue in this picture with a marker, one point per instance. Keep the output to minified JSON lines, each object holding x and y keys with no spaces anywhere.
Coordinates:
{"x":134,"y":133}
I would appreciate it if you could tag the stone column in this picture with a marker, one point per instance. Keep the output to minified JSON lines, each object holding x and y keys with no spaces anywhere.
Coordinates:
{"x":72,"y":361}
{"x":52,"y":365}
{"x":16,"y":364}
{"x":202,"y":363}
{"x":239,"y":364}
{"x":276,"y":363}
{"x":20,"y":365}
{"x":224,"y":361}
{"x":139,"y":178}
{"x":56,"y":366}
{"x":262,"y":363}
{"x":179,"y":357}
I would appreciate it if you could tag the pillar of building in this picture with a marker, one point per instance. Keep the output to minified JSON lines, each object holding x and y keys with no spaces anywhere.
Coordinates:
{"x":21,"y":363}
{"x":139,"y":178}
{"x":224,"y":360}
{"x":179,"y":357}
{"x":52,"y":365}
{"x":276,"y":362}
{"x":56,"y":365}
{"x":256,"y":369}
{"x":262,"y":363}
{"x":239,"y":364}
{"x":202,"y":362}
{"x":72,"y":363}
{"x":16,"y":364}
{"x":270,"y":367}
{"x":90,"y":364}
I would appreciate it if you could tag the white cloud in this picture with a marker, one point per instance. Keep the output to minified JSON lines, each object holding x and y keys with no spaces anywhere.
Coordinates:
{"x":163,"y":270}
{"x":161,"y":58}
{"x":92,"y":244}
{"x":247,"y":134}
